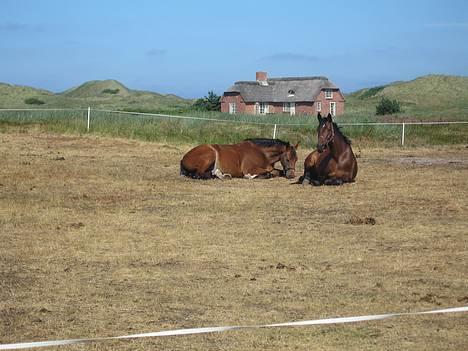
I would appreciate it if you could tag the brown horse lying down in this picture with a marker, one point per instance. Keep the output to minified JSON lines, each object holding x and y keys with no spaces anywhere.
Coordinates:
{"x":333,"y":163}
{"x":251,"y":158}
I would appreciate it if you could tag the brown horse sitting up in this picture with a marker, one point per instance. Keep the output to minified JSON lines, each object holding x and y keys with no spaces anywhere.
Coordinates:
{"x":252,"y":158}
{"x":333,"y":163}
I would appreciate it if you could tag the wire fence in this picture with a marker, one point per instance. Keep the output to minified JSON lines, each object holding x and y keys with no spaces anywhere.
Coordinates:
{"x":231,"y":128}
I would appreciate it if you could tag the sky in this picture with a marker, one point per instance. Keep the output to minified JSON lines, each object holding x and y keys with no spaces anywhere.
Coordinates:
{"x":190,"y":47}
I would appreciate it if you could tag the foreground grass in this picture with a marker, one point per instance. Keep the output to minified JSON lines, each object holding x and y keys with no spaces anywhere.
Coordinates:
{"x":224,"y":128}
{"x":100,"y":236}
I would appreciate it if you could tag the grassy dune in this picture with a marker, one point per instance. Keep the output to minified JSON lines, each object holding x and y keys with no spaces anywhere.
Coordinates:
{"x":97,"y":94}
{"x":430,"y":97}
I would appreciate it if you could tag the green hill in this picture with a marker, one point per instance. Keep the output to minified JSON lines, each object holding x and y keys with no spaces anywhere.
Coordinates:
{"x":98,"y":88}
{"x":433,"y":96}
{"x":107,"y":94}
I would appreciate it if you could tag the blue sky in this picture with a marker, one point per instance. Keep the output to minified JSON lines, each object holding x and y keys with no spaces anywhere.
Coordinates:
{"x":190,"y":47}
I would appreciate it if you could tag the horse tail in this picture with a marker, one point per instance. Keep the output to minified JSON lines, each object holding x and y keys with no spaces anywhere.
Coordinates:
{"x":214,"y":167}
{"x":184,"y":171}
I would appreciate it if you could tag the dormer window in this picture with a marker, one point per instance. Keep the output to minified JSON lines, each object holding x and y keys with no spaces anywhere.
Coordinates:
{"x":328,"y":94}
{"x":291,"y":92}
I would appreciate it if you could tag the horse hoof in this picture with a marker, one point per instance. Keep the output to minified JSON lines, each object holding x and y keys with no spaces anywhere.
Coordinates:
{"x":250,"y":176}
{"x":305,"y":181}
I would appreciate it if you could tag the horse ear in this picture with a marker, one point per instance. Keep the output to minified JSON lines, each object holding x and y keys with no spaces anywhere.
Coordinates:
{"x":296,"y":146}
{"x":329,"y":118}
{"x":319,"y":117}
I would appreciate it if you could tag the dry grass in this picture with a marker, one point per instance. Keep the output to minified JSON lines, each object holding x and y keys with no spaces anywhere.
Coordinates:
{"x":101,"y":237}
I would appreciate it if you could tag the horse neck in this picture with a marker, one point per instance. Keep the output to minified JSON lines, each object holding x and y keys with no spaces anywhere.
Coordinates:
{"x":274,"y":153}
{"x":339,"y":145}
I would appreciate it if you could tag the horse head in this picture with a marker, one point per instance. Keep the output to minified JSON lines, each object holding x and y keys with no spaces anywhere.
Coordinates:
{"x":325,"y":132}
{"x":288,"y":160}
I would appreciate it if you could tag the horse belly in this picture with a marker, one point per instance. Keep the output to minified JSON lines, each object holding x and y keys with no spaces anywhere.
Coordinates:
{"x":319,"y":165}
{"x":228,"y":161}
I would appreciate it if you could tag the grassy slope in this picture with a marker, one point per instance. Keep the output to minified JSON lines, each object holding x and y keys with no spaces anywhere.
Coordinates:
{"x":428,"y":97}
{"x":92,"y":94}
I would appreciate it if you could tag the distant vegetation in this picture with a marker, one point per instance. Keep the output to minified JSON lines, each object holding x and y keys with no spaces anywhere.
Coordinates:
{"x":211,"y":102}
{"x":110,"y":91}
{"x":204,"y":130}
{"x":33,"y":101}
{"x":387,"y":106}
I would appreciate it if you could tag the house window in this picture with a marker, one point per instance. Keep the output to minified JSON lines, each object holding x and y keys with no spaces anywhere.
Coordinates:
{"x":289,"y":107}
{"x":328,"y":94}
{"x":261,"y":108}
{"x":319,"y":106}
{"x":232,"y":108}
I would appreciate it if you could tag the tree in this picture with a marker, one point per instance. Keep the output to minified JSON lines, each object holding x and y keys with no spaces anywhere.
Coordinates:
{"x":387,"y":107}
{"x":212,"y":102}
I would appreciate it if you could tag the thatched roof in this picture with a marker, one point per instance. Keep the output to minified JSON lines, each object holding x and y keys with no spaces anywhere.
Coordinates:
{"x":292,"y":89}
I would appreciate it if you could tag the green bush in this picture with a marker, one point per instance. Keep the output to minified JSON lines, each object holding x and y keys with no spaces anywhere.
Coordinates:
{"x":110,"y":91}
{"x":387,"y":107}
{"x":33,"y":101}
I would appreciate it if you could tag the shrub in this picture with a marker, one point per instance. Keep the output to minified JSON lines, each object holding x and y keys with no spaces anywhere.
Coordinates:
{"x":33,"y":101}
{"x":388,"y":107}
{"x":110,"y":91}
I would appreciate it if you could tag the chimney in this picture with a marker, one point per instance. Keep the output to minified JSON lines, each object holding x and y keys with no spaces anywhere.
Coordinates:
{"x":262,"y":78}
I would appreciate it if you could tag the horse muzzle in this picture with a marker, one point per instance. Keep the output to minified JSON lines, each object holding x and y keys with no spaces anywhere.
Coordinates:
{"x":290,"y":173}
{"x":321,"y":147}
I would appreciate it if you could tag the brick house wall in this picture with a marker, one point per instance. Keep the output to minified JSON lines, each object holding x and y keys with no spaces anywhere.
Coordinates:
{"x":238,"y":100}
{"x":302,"y":108}
{"x":337,"y":97}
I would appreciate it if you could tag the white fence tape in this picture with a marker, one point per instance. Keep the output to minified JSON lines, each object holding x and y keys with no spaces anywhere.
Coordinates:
{"x":205,"y":330}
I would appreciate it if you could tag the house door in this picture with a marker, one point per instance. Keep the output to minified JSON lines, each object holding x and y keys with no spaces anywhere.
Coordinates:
{"x":333,"y":108}
{"x":292,"y":108}
{"x":232,"y":108}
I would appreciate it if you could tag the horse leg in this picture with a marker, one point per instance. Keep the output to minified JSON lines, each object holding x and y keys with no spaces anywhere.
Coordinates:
{"x":277,"y":173}
{"x":333,"y":181}
{"x":260,"y":173}
{"x":216,"y":172}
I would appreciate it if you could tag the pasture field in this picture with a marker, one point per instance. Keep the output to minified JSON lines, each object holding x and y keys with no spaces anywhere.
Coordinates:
{"x":100,"y":236}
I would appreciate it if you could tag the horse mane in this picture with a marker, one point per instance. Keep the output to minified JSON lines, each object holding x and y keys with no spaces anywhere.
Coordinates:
{"x":265,"y":142}
{"x":339,"y":132}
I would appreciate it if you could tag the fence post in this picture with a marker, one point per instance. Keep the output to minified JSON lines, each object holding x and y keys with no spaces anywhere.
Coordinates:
{"x":89,"y":115}
{"x":403,"y":135}
{"x":274,"y":132}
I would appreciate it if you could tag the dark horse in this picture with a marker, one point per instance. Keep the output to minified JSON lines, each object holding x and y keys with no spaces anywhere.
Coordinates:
{"x":333,"y":163}
{"x":251,"y":158}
